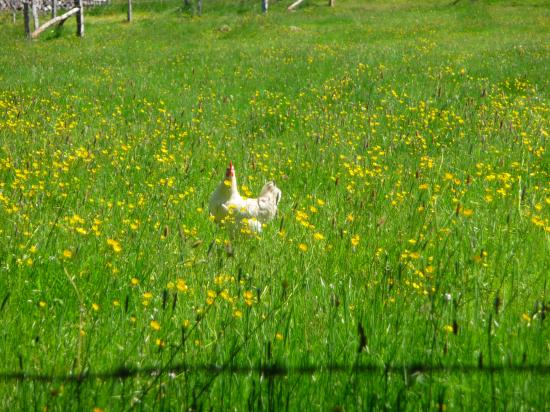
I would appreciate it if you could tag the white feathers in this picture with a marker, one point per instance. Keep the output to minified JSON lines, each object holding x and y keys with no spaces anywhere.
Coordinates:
{"x":227,"y":205}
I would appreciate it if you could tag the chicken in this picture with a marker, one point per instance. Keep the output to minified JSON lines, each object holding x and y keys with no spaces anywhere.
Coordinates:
{"x":227,"y":205}
{"x":225,"y":195}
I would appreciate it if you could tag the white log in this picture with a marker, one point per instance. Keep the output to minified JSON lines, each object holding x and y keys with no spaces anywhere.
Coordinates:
{"x":294,"y":5}
{"x":58,"y":19}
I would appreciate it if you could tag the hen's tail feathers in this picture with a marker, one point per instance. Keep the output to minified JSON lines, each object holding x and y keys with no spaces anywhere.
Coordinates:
{"x":271,"y":191}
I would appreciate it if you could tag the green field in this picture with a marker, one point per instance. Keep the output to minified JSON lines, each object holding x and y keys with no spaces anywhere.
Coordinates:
{"x":408,"y":266}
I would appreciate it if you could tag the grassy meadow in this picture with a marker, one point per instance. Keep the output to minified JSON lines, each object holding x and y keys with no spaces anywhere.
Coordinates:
{"x":407,"y":269}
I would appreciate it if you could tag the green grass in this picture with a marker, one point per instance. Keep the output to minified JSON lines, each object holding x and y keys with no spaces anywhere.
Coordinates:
{"x":410,"y":140}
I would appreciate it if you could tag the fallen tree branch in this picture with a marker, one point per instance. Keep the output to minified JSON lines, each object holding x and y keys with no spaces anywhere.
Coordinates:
{"x":59,"y":19}
{"x":294,"y":5}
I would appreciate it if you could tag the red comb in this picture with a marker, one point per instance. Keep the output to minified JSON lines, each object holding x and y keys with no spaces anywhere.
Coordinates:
{"x":230,"y":170}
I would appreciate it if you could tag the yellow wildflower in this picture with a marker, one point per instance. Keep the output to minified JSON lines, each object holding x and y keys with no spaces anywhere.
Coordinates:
{"x":182,"y":287}
{"x":115,"y":244}
{"x":318,"y":236}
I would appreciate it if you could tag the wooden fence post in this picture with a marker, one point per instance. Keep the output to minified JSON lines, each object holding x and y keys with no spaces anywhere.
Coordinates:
{"x":199,"y":7}
{"x":27,"y":19}
{"x":13,"y":10}
{"x":265,"y":5}
{"x":79,"y":18}
{"x":34,"y":10}
{"x":54,"y":9}
{"x":331,"y":3}
{"x":129,"y":18}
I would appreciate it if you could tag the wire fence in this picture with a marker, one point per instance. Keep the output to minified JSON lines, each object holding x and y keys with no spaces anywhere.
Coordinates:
{"x":278,"y":370}
{"x":270,"y":368}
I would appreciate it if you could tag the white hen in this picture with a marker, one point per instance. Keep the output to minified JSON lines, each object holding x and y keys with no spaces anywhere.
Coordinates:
{"x":227,"y":205}
{"x":226,"y":194}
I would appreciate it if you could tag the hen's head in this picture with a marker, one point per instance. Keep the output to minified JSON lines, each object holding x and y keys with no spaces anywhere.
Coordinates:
{"x":230,"y":172}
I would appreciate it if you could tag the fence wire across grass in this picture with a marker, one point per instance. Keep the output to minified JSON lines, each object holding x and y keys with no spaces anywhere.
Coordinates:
{"x":278,"y":370}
